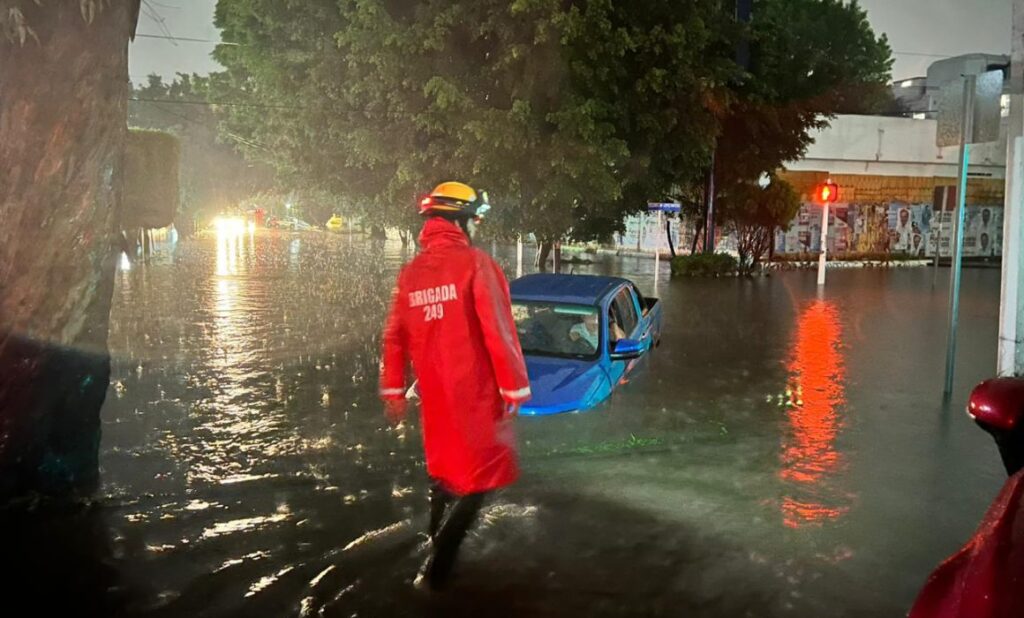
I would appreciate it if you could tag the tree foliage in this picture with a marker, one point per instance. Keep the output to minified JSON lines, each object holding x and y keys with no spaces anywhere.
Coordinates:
{"x":568,"y":112}
{"x":811,"y":60}
{"x":754,"y":213}
{"x":572,"y":113}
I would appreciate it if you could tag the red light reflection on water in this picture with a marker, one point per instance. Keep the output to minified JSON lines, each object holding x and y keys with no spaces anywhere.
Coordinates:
{"x":817,"y":392}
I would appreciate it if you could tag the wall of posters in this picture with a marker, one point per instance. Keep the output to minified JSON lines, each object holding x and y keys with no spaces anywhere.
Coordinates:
{"x":911,"y":229}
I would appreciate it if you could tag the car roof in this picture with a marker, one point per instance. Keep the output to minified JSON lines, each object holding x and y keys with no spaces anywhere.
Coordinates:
{"x":573,"y":289}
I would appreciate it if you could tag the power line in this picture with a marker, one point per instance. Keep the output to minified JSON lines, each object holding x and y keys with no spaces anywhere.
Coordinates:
{"x":364,"y":113}
{"x":223,"y":103}
{"x":224,"y":132}
{"x":183,"y":39}
{"x":910,"y":53}
{"x":150,"y":12}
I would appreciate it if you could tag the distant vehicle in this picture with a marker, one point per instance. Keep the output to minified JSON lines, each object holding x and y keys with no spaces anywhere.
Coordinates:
{"x":289,"y":223}
{"x":335,"y":224}
{"x":580,"y":335}
{"x":301,"y":226}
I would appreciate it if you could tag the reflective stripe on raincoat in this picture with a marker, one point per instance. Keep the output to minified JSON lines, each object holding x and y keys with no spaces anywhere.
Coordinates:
{"x":985,"y":579}
{"x":451,"y":316}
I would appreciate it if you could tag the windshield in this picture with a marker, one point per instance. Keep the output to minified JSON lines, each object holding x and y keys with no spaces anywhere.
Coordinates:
{"x":559,"y":330}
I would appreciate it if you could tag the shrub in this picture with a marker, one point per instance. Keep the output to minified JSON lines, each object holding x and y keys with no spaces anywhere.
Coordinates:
{"x":702,"y":265}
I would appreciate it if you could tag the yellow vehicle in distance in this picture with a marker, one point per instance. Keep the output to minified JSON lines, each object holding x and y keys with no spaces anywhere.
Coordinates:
{"x":335,"y":224}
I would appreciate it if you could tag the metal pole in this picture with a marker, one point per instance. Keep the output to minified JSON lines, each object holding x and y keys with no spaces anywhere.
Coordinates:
{"x":966,"y":136}
{"x":938,"y":235}
{"x":823,"y":257}
{"x":1011,"y":352}
{"x":709,"y":223}
{"x":519,"y":256}
{"x":657,"y":254}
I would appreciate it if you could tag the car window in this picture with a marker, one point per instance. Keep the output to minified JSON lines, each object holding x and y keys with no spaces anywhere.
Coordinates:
{"x":641,"y":302}
{"x":558,"y":330}
{"x":625,"y":311}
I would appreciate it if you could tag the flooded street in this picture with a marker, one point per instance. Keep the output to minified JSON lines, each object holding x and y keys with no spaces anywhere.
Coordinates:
{"x":783,"y":453}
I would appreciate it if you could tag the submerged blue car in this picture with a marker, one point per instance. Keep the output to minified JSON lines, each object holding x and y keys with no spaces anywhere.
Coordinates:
{"x":580,"y":335}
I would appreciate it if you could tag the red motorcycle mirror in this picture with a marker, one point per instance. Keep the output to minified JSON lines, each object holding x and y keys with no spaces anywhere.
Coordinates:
{"x":998,"y":407}
{"x":983,"y":579}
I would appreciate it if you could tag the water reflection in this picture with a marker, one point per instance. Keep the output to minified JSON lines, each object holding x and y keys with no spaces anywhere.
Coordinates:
{"x":816,"y":396}
{"x":232,"y":246}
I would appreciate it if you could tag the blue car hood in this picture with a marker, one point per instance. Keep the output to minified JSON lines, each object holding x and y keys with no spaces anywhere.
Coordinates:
{"x":564,"y":385}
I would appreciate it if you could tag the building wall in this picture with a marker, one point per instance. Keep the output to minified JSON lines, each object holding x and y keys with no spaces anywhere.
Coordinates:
{"x":888,"y":170}
{"x":884,"y":146}
{"x":894,"y":214}
{"x":879,"y":189}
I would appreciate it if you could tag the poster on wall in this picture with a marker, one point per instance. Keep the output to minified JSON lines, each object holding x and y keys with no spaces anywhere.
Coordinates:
{"x":909,"y":225}
{"x":840,"y":232}
{"x":645,"y":233}
{"x":984,"y":228}
{"x":983,"y":232}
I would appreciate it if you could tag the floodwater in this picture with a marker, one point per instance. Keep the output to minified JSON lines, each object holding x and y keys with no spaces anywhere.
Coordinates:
{"x":784,"y":453}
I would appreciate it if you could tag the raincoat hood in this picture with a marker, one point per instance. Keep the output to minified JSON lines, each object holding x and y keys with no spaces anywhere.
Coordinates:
{"x":438,"y":232}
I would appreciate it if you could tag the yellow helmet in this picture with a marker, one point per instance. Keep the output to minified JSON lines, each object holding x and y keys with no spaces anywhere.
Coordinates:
{"x":456,"y":198}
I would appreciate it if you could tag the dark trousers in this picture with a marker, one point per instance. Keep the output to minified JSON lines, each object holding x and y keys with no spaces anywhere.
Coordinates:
{"x":451,"y":517}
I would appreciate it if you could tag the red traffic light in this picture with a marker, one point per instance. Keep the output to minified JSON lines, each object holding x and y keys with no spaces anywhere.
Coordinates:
{"x":828,"y":193}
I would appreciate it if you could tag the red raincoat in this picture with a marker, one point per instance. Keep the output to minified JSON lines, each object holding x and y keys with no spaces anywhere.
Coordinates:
{"x":985,"y":579}
{"x":452,"y":317}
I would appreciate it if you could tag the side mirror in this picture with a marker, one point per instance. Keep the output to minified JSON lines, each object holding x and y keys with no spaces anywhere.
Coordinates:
{"x":998,"y":407}
{"x":627,"y":349}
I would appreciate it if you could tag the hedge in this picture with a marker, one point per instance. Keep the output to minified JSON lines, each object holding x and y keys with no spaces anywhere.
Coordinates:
{"x":703,"y":265}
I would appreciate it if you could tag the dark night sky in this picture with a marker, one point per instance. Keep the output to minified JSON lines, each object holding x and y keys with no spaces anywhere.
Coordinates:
{"x":940,"y":27}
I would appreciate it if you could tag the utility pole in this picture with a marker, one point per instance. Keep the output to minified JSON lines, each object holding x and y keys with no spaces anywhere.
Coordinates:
{"x":959,"y":219}
{"x":744,"y":13}
{"x":709,"y":208}
{"x":1011,"y":319}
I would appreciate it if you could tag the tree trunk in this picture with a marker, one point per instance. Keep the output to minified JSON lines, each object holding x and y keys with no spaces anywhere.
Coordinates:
{"x":698,"y":231}
{"x":557,"y":257}
{"x":63,"y":116}
{"x":543,"y":253}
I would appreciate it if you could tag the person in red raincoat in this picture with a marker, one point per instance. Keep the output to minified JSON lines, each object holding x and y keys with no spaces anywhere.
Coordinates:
{"x":451,"y":316}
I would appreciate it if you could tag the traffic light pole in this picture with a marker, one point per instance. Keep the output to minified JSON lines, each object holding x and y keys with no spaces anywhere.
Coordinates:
{"x":823,"y":257}
{"x":966,"y":137}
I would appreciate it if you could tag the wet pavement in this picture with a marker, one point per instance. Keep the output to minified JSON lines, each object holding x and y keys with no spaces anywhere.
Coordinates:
{"x":784,"y":453}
